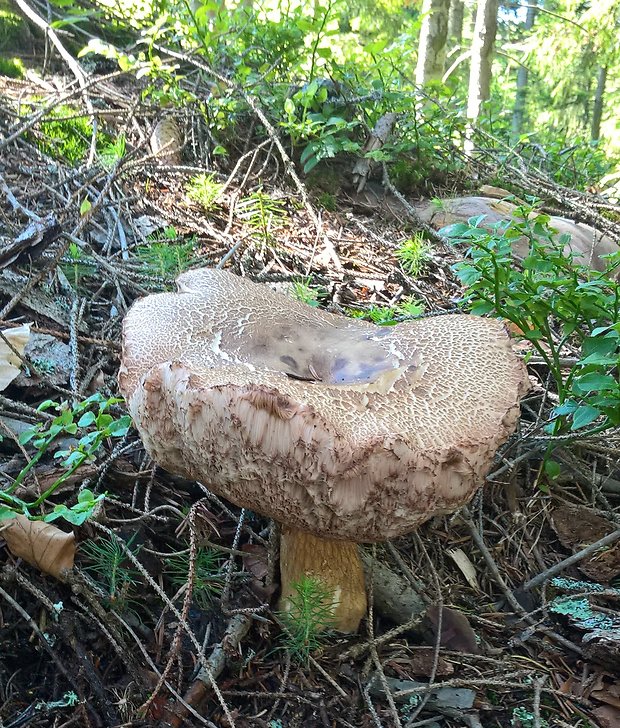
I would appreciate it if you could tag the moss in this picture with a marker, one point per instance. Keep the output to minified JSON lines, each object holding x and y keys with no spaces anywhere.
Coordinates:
{"x":11,"y":30}
{"x":327,"y":201}
{"x":11,"y":67}
{"x":65,"y":134}
{"x":327,"y":179}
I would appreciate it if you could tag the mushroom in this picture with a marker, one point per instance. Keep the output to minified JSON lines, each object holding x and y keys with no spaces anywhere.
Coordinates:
{"x":342,"y":431}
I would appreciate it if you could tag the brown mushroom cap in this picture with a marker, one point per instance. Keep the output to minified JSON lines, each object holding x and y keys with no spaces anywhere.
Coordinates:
{"x":330,"y":425}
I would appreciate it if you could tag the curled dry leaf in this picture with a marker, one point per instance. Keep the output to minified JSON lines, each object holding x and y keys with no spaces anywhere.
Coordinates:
{"x":468,"y":570}
{"x":256,"y":562}
{"x":9,"y":361}
{"x":167,"y":141}
{"x":41,"y":544}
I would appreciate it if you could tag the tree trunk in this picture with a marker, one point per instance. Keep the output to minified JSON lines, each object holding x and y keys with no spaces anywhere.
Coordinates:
{"x":455,"y":22}
{"x":597,"y":109}
{"x":481,"y":60}
{"x":433,"y":36}
{"x":518,"y":113}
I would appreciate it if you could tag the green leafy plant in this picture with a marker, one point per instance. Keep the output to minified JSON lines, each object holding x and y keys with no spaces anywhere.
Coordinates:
{"x":204,"y":190}
{"x":76,"y":265}
{"x":406,"y":309}
{"x":303,"y":291}
{"x":560,"y":306}
{"x":208,"y":579}
{"x":327,"y":201}
{"x":413,"y":253}
{"x":523,"y":718}
{"x":310,"y":117}
{"x":309,"y":616}
{"x":110,"y":565}
{"x":89,"y":423}
{"x":65,"y":134}
{"x":12,"y":67}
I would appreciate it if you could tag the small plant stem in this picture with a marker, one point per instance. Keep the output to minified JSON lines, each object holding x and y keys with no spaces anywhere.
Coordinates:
{"x":336,"y":564}
{"x":315,"y":45}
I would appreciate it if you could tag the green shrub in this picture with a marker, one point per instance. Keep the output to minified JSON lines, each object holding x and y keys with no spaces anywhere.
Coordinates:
{"x":560,"y":305}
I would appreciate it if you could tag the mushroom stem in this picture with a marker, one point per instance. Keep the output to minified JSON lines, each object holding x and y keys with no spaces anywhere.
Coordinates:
{"x":336,"y":564}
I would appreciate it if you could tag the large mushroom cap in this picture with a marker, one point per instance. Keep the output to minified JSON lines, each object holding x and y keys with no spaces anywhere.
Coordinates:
{"x":330,"y":425}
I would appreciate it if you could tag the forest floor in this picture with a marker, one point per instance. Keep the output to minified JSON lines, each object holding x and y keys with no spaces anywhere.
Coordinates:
{"x":128,"y":637}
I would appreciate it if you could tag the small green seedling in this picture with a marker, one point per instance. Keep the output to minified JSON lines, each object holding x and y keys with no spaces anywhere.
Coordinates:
{"x":406,"y":310}
{"x":204,"y":190}
{"x":413,"y":254}
{"x":309,"y":616}
{"x":306,"y":293}
{"x":208,"y":580}
{"x":110,"y":565}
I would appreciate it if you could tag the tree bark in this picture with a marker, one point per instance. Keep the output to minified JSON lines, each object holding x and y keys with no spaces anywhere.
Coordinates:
{"x":455,"y":22}
{"x":483,"y":44}
{"x":433,"y":37}
{"x":597,"y":109}
{"x":518,"y":113}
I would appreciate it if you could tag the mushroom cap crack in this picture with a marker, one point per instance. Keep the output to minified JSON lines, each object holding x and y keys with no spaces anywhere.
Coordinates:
{"x":330,"y":425}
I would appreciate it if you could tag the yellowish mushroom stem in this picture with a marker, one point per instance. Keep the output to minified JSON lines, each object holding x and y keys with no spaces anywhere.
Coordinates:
{"x":336,"y":564}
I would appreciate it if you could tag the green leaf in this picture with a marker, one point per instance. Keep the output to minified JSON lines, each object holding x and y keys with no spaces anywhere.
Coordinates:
{"x":552,"y":468}
{"x":455,"y":230}
{"x":104,"y":420}
{"x":86,"y":419}
{"x":583,"y":416}
{"x":45,"y":405}
{"x":595,"y":382}
{"x":120,"y":427}
{"x":85,"y":206}
{"x":27,"y":435}
{"x":289,"y":107}
{"x":311,"y":164}
{"x":375,"y":47}
{"x":566,"y":408}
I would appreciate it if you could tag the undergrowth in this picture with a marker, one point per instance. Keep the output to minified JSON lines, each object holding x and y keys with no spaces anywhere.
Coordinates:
{"x":81,"y":430}
{"x":565,"y":310}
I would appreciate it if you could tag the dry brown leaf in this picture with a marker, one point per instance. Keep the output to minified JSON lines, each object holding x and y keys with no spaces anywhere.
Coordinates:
{"x":577,"y":526}
{"x":456,"y":632}
{"x":41,"y":544}
{"x":255,"y":561}
{"x":468,"y":570}
{"x":9,"y":359}
{"x":607,"y":716}
{"x":608,"y":693}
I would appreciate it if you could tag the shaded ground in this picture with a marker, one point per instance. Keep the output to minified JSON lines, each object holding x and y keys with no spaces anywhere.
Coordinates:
{"x":123,"y":632}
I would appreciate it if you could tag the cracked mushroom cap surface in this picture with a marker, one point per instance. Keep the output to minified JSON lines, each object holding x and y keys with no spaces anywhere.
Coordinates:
{"x":331,"y":425}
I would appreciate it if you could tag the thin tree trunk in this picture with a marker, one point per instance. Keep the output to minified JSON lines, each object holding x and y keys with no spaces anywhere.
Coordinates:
{"x":518,"y":113}
{"x":433,"y":36}
{"x":455,"y":22}
{"x":481,"y":60}
{"x":597,"y":109}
